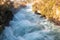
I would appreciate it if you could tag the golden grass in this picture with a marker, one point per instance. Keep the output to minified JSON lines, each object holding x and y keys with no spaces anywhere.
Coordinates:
{"x":49,"y":8}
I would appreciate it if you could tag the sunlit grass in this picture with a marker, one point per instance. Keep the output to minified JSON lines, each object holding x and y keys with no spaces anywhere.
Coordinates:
{"x":49,"y":8}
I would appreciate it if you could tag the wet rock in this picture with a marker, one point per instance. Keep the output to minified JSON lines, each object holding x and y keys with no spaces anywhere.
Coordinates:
{"x":5,"y":16}
{"x":37,"y":13}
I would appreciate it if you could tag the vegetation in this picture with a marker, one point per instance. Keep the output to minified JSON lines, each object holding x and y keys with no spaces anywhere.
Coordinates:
{"x":49,"y":8}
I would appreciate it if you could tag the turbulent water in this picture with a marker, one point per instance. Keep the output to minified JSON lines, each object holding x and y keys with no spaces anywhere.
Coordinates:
{"x":28,"y":26}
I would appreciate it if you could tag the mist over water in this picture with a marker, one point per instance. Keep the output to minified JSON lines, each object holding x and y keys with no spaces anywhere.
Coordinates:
{"x":28,"y":26}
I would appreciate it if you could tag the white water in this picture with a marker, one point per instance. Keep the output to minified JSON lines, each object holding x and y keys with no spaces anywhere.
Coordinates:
{"x":28,"y":26}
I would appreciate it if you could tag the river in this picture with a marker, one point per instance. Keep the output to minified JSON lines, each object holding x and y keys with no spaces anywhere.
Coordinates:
{"x":28,"y":26}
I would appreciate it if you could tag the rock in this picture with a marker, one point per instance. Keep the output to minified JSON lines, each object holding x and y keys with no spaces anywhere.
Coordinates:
{"x":5,"y":16}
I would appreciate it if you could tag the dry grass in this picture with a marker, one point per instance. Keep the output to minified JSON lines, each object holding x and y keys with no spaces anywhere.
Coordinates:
{"x":49,"y":8}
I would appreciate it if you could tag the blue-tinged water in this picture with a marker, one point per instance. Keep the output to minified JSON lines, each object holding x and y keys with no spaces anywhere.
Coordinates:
{"x":28,"y":26}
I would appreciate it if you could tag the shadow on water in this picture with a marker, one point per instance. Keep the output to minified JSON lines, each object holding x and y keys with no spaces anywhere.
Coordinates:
{"x":7,"y":13}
